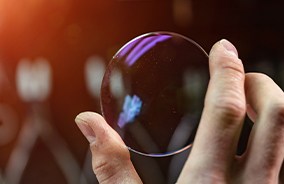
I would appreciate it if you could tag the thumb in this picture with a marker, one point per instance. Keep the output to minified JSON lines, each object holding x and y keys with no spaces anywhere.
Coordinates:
{"x":110,"y":157}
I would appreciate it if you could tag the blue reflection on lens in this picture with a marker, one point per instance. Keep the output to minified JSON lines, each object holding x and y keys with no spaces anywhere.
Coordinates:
{"x":131,"y":108}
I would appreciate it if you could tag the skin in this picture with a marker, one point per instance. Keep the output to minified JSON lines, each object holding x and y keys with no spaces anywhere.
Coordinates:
{"x":231,"y":94}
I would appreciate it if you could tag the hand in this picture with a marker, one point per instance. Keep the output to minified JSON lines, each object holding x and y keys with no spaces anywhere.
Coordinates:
{"x":231,"y":94}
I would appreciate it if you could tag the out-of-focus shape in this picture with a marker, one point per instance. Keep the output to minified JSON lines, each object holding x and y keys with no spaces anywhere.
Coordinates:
{"x":3,"y":79}
{"x":116,"y":84}
{"x":87,"y":174}
{"x":193,"y":82}
{"x":34,"y":79}
{"x":36,"y":127}
{"x":182,"y":12}
{"x":1,"y":178}
{"x":94,"y":72}
{"x":194,"y":85}
{"x":8,"y":124}
{"x":183,"y":132}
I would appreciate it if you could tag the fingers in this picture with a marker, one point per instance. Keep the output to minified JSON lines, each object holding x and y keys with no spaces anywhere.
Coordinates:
{"x":265,"y":153}
{"x":217,"y":136}
{"x":110,"y":157}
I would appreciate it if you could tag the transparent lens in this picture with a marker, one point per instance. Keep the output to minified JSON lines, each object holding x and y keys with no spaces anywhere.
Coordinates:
{"x":153,"y":91}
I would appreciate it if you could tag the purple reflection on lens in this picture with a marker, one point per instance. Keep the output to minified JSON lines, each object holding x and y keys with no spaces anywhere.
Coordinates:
{"x":143,"y":47}
{"x":138,"y":48}
{"x":126,"y":49}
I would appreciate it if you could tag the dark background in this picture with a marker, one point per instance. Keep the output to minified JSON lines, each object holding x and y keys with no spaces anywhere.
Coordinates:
{"x":68,"y":32}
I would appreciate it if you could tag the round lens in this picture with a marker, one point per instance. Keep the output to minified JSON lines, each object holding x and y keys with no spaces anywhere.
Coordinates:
{"x":153,"y":91}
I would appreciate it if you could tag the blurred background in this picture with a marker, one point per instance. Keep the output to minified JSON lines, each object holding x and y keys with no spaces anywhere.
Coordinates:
{"x":53,"y":54}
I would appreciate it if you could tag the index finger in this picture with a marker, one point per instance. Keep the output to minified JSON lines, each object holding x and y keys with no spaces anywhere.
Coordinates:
{"x":217,"y":136}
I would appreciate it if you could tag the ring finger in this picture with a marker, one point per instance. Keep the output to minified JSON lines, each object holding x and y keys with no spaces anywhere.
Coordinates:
{"x":264,"y":157}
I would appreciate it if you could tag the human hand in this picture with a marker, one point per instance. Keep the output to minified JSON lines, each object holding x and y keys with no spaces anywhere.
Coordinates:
{"x":212,"y":158}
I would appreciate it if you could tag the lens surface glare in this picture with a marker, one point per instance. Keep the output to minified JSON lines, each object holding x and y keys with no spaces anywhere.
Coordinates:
{"x":153,"y":90}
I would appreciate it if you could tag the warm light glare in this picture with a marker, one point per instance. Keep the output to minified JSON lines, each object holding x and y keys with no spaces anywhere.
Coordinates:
{"x":22,"y":21}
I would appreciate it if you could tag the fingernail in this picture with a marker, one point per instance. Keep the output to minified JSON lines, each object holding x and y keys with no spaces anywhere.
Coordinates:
{"x":85,"y":129}
{"x":230,"y":48}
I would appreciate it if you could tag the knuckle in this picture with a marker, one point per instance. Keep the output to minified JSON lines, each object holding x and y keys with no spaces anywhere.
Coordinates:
{"x":101,"y":166}
{"x":262,"y":176}
{"x":108,"y":160}
{"x":105,"y":170}
{"x":277,"y":113}
{"x":230,"y":107}
{"x":231,"y":73}
{"x":202,"y":173}
{"x":233,"y":65}
{"x":209,"y":177}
